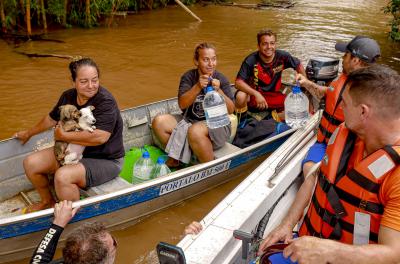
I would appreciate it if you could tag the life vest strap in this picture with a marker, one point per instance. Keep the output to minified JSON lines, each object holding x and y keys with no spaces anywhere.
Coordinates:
{"x":336,"y":223}
{"x":363,"y":182}
{"x":393,"y":154}
{"x":345,"y":156}
{"x":324,"y":132}
{"x":371,"y":207}
{"x":333,"y":197}
{"x":331,"y":119}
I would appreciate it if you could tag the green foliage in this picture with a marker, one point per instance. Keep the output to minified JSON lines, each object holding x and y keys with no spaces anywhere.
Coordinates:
{"x":393,"y":8}
{"x":76,"y":11}
{"x":55,"y":8}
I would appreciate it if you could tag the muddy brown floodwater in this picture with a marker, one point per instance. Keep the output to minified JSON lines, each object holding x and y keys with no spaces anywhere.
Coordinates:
{"x":142,"y":59}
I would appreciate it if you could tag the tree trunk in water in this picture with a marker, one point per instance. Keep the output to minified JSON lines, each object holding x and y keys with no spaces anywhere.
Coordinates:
{"x":28,"y":17}
{"x":65,"y":13}
{"x":3,"y":17}
{"x":43,"y":15}
{"x":87,"y":13}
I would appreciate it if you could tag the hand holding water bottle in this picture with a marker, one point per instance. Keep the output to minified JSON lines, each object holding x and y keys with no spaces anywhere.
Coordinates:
{"x":204,"y":80}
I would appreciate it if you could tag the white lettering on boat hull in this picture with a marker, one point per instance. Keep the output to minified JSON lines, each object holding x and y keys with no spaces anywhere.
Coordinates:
{"x":188,"y":180}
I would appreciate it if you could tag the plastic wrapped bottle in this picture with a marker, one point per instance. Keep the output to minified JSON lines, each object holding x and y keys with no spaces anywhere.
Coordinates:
{"x":142,"y":169}
{"x":160,"y":169}
{"x":296,"y":108}
{"x":215,"y":109}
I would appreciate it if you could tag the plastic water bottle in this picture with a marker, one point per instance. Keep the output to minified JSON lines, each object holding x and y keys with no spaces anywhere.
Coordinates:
{"x":160,"y":169}
{"x":142,"y":170}
{"x":215,"y":109}
{"x":296,"y":108}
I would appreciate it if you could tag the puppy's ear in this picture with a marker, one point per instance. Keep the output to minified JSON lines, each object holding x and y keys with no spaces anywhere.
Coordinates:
{"x":91,"y":108}
{"x":63,"y":114}
{"x":67,"y":113}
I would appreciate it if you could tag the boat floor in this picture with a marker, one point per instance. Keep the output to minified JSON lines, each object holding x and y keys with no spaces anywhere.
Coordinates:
{"x":15,"y":205}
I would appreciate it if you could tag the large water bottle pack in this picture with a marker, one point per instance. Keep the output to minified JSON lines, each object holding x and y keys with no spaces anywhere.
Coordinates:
{"x":215,"y":109}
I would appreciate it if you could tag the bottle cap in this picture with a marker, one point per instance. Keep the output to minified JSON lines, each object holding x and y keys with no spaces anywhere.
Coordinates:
{"x":160,"y":160}
{"x":296,"y":89}
{"x":209,"y":89}
{"x":146,"y":155}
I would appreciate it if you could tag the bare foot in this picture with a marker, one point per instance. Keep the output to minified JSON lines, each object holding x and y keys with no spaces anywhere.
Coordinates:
{"x":172,"y":163}
{"x":37,"y":207}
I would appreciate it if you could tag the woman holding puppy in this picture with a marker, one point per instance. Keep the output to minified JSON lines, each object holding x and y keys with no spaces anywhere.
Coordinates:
{"x":103,"y":155}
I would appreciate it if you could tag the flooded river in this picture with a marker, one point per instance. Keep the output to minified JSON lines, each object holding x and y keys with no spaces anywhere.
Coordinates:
{"x":141,"y":61}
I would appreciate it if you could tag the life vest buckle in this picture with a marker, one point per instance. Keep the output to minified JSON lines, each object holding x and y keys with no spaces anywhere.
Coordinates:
{"x":363,"y":205}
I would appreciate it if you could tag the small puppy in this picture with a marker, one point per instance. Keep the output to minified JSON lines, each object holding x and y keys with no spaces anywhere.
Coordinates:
{"x":69,"y":119}
{"x":86,"y":121}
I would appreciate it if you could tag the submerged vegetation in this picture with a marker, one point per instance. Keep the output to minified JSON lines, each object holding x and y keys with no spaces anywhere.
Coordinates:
{"x":393,"y":8}
{"x":22,"y":15}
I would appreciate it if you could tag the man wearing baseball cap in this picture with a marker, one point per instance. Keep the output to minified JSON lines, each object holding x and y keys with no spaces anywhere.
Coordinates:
{"x":360,"y":52}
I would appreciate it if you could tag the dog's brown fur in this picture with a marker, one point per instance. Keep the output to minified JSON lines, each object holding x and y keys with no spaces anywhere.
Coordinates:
{"x":69,"y":119}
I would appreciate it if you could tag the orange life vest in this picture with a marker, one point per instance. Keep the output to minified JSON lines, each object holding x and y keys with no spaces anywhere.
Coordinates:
{"x":333,"y":113}
{"x":342,"y":190}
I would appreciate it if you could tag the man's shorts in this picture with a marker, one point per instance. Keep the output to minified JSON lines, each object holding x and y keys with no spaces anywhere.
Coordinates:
{"x":99,"y":171}
{"x":315,"y":153}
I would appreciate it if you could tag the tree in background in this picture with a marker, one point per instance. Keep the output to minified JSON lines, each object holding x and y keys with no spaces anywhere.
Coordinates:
{"x":393,"y":8}
{"x":21,"y":17}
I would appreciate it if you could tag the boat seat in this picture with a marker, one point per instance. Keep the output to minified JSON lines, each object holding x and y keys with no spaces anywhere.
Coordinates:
{"x":111,"y":186}
{"x":227,"y":149}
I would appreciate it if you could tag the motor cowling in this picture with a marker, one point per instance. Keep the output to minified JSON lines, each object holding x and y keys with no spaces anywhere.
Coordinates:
{"x":322,"y":69}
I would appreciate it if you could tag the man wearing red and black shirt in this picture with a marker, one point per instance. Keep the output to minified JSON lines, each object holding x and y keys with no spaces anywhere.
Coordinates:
{"x":259,"y":77}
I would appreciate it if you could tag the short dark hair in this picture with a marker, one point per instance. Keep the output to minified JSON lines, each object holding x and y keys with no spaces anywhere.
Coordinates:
{"x":379,"y":84}
{"x":265,"y":32}
{"x":76,"y":64}
{"x":204,"y":45}
{"x":85,"y":245}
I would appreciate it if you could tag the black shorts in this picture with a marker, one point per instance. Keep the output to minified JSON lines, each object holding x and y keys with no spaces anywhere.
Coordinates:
{"x":99,"y":171}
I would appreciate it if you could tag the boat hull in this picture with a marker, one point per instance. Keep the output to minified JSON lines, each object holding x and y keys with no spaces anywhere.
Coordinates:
{"x":20,"y":234}
{"x":271,"y":188}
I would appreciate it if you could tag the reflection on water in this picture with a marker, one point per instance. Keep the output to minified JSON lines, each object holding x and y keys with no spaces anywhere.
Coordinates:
{"x":142,"y":59}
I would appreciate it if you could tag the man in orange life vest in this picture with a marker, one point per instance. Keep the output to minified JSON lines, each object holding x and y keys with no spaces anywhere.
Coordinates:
{"x":259,"y":78}
{"x":359,"y":52}
{"x":357,"y":194}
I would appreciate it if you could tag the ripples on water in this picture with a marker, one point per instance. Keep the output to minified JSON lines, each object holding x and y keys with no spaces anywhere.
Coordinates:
{"x":141,"y":60}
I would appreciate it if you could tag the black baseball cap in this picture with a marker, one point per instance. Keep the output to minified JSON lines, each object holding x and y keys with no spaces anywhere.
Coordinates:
{"x":362,"y":47}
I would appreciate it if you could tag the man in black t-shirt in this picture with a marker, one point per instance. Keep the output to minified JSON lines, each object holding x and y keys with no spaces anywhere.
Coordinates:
{"x":259,"y":78}
{"x":104,"y":150}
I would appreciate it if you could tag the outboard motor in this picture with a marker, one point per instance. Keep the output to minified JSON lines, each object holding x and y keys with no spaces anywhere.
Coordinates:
{"x":322,"y":70}
{"x":170,"y":254}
